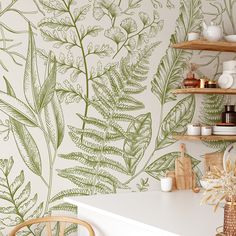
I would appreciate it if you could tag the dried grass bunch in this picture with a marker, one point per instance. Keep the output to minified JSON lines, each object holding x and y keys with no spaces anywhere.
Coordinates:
{"x":225,"y":186}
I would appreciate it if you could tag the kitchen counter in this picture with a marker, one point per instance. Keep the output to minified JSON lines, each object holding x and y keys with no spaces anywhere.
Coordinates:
{"x":149,"y":214}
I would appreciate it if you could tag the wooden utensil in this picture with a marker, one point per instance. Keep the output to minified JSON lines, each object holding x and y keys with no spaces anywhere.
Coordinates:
{"x":183,"y":170}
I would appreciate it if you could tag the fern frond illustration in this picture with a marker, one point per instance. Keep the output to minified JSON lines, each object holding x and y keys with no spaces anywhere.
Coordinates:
{"x":99,"y":155}
{"x":212,"y":107}
{"x":171,"y":68}
{"x":19,"y":202}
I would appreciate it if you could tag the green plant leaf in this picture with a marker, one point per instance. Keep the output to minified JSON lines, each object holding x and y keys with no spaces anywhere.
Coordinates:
{"x":16,"y":109}
{"x":25,"y":143}
{"x":140,"y":130}
{"x":144,"y":18}
{"x":79,"y":14}
{"x":28,"y":205}
{"x":6,"y":165}
{"x":115,"y":34}
{"x":86,"y":183}
{"x":16,"y":184}
{"x":92,"y":31}
{"x":31,"y":78}
{"x":37,"y":212}
{"x":7,"y":210}
{"x":69,"y":93}
{"x":101,"y":175}
{"x":60,"y":25}
{"x":5,"y":196}
{"x":20,"y":205}
{"x":25,"y":194}
{"x":47,"y":91}
{"x":70,"y":193}
{"x":55,"y":121}
{"x":171,"y":68}
{"x":92,"y":161}
{"x":176,"y":121}
{"x":27,"y":147}
{"x":129,"y":25}
{"x":64,"y":207}
{"x":165,"y":163}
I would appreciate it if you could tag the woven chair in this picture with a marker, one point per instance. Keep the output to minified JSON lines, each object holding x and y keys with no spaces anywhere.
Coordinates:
{"x":50,"y":219}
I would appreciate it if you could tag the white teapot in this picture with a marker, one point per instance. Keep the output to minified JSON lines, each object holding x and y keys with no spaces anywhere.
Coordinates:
{"x":212,"y":32}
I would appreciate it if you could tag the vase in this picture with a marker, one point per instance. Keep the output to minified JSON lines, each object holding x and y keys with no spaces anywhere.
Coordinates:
{"x":230,"y":216}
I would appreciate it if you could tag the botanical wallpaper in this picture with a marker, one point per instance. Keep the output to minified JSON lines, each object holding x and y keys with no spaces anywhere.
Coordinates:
{"x":86,"y":102}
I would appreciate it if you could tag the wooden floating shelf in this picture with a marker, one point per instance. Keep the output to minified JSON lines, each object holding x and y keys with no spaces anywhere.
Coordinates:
{"x":220,"y":46}
{"x":204,"y":91}
{"x":205,"y":138}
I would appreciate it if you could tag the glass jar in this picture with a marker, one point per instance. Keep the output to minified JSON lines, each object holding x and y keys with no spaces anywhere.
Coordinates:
{"x":229,"y":115}
{"x":211,"y":84}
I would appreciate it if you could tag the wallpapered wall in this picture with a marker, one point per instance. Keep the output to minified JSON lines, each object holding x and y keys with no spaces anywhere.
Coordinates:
{"x":85,"y":97}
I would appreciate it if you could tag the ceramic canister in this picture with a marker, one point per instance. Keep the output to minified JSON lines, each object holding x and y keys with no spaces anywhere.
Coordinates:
{"x":193,"y":36}
{"x":166,"y":184}
{"x":193,"y":129}
{"x":206,"y":130}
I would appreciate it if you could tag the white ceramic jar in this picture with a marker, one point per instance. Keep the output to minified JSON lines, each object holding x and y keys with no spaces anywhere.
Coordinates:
{"x":206,"y":130}
{"x":193,"y":129}
{"x":193,"y":36}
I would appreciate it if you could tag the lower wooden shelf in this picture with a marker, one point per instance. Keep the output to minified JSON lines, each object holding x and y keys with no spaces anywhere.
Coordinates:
{"x":204,"y":91}
{"x":205,"y":138}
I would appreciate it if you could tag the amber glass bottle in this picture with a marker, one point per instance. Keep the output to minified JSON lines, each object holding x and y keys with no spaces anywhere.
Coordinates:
{"x":229,"y":115}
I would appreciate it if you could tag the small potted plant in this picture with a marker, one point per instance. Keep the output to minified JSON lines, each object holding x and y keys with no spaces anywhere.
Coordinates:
{"x":224,"y":191}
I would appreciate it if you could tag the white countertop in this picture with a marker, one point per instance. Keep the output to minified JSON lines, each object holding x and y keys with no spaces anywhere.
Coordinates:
{"x":179,"y":212}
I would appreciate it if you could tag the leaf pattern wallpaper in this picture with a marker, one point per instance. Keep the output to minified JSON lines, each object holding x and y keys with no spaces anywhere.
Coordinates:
{"x":86,"y":102}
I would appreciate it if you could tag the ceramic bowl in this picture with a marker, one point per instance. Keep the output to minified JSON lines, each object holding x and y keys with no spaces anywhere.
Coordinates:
{"x":230,"y":38}
{"x":209,"y":183}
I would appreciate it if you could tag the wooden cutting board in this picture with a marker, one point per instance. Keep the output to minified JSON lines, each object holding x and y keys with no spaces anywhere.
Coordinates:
{"x":183,"y":170}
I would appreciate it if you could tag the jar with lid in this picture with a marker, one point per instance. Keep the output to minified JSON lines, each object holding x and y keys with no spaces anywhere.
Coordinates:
{"x":229,"y":115}
{"x":211,"y":84}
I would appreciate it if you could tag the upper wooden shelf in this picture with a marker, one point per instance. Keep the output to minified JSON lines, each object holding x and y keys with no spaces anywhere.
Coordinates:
{"x":219,"y":46}
{"x":204,"y":91}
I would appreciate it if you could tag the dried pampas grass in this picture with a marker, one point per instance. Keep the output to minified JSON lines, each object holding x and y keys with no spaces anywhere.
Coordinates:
{"x":225,"y":187}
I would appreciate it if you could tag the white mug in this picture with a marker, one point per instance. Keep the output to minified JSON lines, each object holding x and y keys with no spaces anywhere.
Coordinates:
{"x":166,"y":184}
{"x":193,"y":36}
{"x":206,"y":130}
